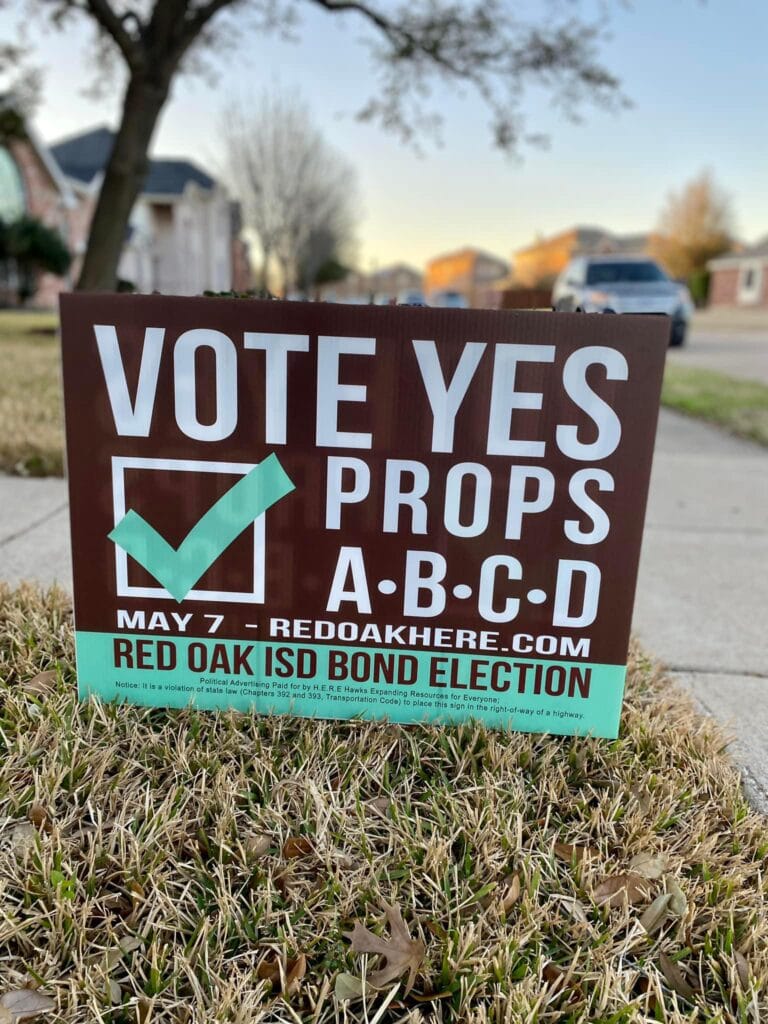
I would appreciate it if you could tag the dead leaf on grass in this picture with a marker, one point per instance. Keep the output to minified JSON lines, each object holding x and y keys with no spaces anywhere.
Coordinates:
{"x":258,"y":846}
{"x":675,"y":978}
{"x":574,"y":908}
{"x":617,"y":889}
{"x":510,"y":894}
{"x":296,"y":847}
{"x":655,"y":915}
{"x":650,"y":865}
{"x":347,"y":988}
{"x":552,"y":974}
{"x":742,"y":969}
{"x":678,"y":904}
{"x":39,"y":817}
{"x":400,"y":951}
{"x":380,"y":804}
{"x":24,"y":1004}
{"x":23,"y":838}
{"x":285,"y":975}
{"x":41,"y":684}
{"x":504,"y":896}
{"x":569,"y":853}
{"x":129,"y":943}
{"x":114,"y":992}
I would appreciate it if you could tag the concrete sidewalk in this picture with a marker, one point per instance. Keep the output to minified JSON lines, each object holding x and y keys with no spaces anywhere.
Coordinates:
{"x":702,"y":597}
{"x":702,"y":600}
{"x":34,"y":531}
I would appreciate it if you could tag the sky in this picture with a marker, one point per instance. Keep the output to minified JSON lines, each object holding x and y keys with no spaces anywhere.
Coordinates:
{"x":694,"y":70}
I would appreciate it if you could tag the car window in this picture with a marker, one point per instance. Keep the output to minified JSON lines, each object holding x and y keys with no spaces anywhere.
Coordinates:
{"x":634,"y":272}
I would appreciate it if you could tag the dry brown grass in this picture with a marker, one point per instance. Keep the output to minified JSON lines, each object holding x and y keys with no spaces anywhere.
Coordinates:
{"x":31,"y":416}
{"x":152,"y":870}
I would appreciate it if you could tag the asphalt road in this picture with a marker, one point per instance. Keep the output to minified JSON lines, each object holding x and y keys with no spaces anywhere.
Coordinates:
{"x":734,"y":350}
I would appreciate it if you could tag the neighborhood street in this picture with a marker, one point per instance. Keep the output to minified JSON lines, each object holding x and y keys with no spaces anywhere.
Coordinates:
{"x":731,"y":343}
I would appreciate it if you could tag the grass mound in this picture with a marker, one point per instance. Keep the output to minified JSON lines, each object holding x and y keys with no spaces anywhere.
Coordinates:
{"x":175,"y":866}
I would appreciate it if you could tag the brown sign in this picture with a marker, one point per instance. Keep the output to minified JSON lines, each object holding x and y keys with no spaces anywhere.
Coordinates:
{"x":358,"y":510}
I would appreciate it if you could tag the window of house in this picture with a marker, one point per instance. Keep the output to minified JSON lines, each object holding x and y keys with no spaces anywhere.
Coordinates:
{"x":12,"y":201}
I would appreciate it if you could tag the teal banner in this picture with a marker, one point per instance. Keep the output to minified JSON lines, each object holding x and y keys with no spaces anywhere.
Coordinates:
{"x":336,"y":681}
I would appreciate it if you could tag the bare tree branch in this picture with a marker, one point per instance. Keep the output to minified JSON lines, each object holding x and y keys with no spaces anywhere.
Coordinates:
{"x":297,"y":192}
{"x":115,"y":26}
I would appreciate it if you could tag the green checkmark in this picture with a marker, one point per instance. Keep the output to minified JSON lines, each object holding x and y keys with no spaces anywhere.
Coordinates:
{"x":179,"y":569}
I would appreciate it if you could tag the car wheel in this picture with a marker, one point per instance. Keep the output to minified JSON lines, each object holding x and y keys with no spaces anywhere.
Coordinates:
{"x":677,"y":337}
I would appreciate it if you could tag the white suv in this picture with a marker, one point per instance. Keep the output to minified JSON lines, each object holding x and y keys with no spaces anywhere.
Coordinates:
{"x":623,"y":284}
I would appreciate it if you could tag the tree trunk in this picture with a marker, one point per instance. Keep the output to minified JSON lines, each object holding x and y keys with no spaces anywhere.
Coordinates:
{"x":123,"y":179}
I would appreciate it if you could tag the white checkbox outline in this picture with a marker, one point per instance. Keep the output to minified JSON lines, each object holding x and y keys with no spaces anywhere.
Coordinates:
{"x":124,"y":589}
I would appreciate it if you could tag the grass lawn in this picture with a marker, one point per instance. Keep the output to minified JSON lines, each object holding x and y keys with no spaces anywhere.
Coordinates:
{"x":741,"y":406}
{"x":186,"y":867}
{"x":31,"y":417}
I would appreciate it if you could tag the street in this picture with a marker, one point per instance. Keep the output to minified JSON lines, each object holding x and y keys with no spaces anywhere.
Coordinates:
{"x":729,"y":342}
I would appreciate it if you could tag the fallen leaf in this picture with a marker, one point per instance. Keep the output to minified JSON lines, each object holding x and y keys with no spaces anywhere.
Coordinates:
{"x":511,"y":894}
{"x":379,"y":804}
{"x":23,"y":838}
{"x":25,"y":1004}
{"x":129,"y":942}
{"x":678,"y":904}
{"x":675,"y":978}
{"x":570,"y":853}
{"x":297,"y":846}
{"x":552,"y":974}
{"x":258,"y":846}
{"x":40,"y":684}
{"x":655,"y":915}
{"x":114,"y":992}
{"x":650,"y":865}
{"x":285,"y":976}
{"x":400,"y":951}
{"x":742,"y":969}
{"x":39,"y":817}
{"x":348,"y":988}
{"x":574,"y":908}
{"x":617,"y":889}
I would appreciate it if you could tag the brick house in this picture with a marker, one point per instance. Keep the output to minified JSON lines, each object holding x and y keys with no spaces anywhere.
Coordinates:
{"x":470,"y":272}
{"x":31,"y":182}
{"x":181,"y":210}
{"x":540,"y":263}
{"x":740,"y":279}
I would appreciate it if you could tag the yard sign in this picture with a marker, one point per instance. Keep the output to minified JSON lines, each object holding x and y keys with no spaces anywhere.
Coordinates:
{"x":342,"y":511}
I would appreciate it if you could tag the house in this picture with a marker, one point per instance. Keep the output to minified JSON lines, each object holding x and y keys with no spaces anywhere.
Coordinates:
{"x":470,"y":272}
{"x":539,"y":263}
{"x":740,"y":279}
{"x":183,"y":235}
{"x":184,"y":231}
{"x":31,"y":183}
